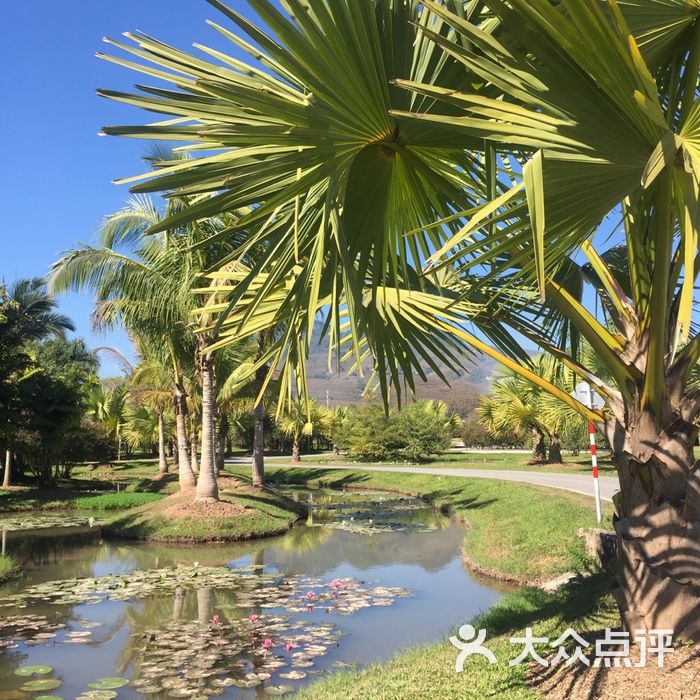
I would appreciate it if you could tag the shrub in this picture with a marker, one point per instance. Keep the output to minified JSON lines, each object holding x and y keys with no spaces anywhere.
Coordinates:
{"x":414,"y":433}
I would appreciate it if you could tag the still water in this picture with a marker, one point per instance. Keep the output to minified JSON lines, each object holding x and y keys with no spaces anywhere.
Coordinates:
{"x":365,"y":576}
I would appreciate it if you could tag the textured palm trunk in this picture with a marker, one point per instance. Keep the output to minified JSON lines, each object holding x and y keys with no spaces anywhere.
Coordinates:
{"x":221,"y":447}
{"x":7,"y":476}
{"x":296,"y":455}
{"x":184,"y":469}
{"x":207,"y":489}
{"x":259,"y":444}
{"x":194,"y":449}
{"x":539,"y":453}
{"x":658,"y":521}
{"x":162,"y":459}
{"x":555,"y":449}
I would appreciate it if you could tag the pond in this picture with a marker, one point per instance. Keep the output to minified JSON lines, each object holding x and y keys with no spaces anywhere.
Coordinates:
{"x":365,"y":576}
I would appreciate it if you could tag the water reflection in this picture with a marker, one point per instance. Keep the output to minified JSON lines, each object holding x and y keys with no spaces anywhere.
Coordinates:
{"x":419,"y":549}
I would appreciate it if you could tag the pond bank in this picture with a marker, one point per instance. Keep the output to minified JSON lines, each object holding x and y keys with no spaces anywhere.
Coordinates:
{"x":242,"y":513}
{"x":8,"y":568}
{"x":520,"y":533}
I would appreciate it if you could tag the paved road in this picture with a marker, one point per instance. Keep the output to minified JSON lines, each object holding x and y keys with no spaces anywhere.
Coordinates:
{"x":579,"y":483}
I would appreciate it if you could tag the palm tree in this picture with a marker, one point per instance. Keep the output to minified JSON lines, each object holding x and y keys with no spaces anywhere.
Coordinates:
{"x":151,"y":386}
{"x":29,"y":315}
{"x":144,"y":283}
{"x":516,"y":128}
{"x":519,"y":406}
{"x":302,"y":417}
{"x":106,"y":405}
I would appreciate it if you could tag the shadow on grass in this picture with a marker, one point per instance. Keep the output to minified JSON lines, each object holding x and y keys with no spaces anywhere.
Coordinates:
{"x":578,"y":600}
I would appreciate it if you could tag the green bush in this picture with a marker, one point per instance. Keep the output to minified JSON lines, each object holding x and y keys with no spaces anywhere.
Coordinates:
{"x":414,"y":433}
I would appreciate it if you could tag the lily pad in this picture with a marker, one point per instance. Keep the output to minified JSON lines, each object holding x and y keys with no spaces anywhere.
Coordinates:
{"x":48,"y":684}
{"x":33,"y":670}
{"x":109,"y":683}
{"x":48,"y":697}
{"x":279,"y":689}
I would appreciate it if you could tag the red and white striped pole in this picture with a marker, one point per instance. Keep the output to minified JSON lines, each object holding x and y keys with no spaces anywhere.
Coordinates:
{"x":594,"y":460}
{"x":594,"y":464}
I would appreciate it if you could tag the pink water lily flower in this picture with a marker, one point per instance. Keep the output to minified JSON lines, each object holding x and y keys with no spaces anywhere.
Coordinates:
{"x":267,"y":642}
{"x":310,"y":595}
{"x":289,"y":646}
{"x":253,"y":618}
{"x":215,"y":619}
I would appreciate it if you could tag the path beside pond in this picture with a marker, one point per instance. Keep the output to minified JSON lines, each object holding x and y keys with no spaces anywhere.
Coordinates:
{"x":578,"y":483}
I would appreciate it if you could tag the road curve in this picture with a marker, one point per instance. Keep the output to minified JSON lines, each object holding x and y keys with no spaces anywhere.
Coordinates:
{"x":578,"y":483}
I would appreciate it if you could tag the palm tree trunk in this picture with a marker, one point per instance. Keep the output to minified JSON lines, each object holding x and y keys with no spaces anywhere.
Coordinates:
{"x":221,"y":448}
{"x":207,"y":490}
{"x":296,"y":456}
{"x":555,"y":449}
{"x":162,"y":460}
{"x":259,"y":444}
{"x":658,"y":523}
{"x":7,"y":476}
{"x":185,"y":473}
{"x":539,"y":454}
{"x":194,"y":448}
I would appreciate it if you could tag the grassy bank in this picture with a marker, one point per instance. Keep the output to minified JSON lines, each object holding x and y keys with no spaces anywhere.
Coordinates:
{"x":516,"y":531}
{"x":8,"y":568}
{"x":429,"y":671}
{"x":243,"y":513}
{"x":29,"y":499}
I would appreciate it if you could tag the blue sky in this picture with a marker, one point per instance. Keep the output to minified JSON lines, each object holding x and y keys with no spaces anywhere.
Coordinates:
{"x":58,"y":171}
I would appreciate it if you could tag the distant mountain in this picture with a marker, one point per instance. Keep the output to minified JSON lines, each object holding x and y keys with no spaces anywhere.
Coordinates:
{"x":342,"y":388}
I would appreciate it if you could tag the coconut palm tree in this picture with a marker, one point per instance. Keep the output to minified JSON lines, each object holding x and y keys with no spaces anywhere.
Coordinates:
{"x":144,"y":283}
{"x":516,"y":128}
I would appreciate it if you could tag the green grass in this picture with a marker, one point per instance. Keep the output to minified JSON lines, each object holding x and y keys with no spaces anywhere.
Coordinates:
{"x":267,"y":513}
{"x":115,"y":501}
{"x":428,"y":671}
{"x":517,"y":531}
{"x":8,"y":568}
{"x":508,"y":461}
{"x":71,"y":497}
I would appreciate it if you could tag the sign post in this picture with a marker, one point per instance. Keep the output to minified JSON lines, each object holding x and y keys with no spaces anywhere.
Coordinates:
{"x":585,"y":394}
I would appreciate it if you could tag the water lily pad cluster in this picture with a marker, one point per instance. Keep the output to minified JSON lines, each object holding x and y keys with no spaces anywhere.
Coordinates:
{"x":367,"y":527}
{"x":191,"y":659}
{"x":29,"y":629}
{"x":253,"y":587}
{"x":38,"y":521}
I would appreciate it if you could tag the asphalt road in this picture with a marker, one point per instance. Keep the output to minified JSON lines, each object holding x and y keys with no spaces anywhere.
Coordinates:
{"x":578,"y":483}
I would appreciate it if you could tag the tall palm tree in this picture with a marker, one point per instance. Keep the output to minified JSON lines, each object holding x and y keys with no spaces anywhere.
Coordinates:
{"x":516,"y":127}
{"x":29,"y":315}
{"x":144,"y":283}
